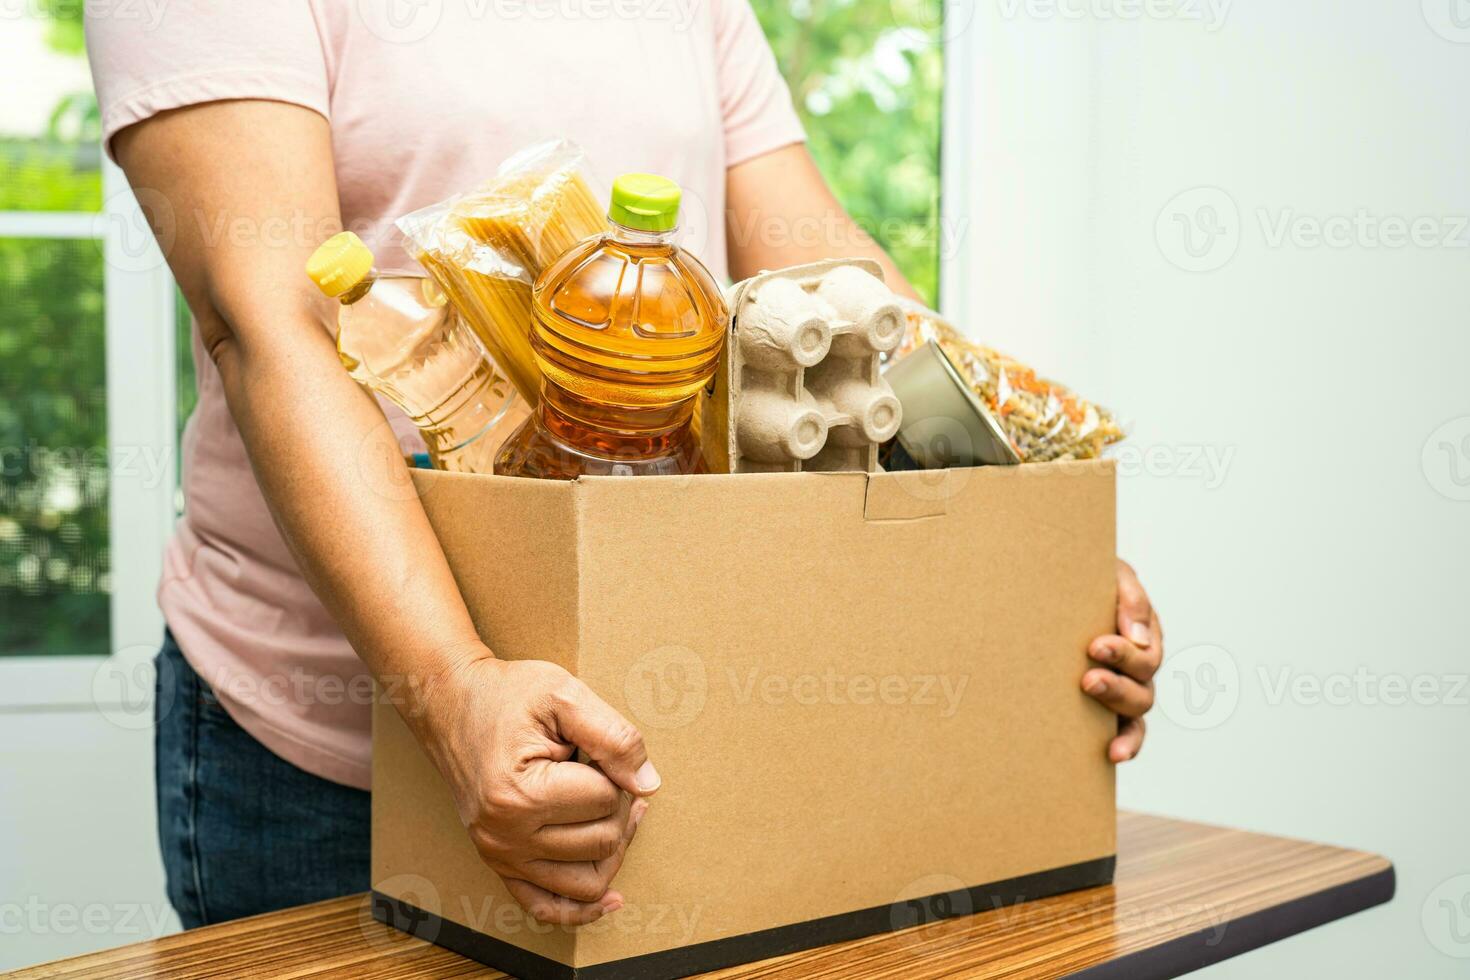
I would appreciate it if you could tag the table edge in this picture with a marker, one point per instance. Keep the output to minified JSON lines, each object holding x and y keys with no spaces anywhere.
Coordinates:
{"x":1165,"y":961}
{"x":1194,"y":951}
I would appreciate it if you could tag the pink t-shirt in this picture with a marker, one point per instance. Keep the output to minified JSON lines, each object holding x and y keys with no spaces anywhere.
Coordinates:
{"x":425,"y":99}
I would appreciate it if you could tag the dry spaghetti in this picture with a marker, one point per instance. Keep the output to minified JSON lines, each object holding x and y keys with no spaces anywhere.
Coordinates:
{"x":487,"y":247}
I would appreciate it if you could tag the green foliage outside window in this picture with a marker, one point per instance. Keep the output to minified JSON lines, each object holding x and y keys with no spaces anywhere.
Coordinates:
{"x":867,"y":79}
{"x":53,"y":419}
{"x":54,"y":563}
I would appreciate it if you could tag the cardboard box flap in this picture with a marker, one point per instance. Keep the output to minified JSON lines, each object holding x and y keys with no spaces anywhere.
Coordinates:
{"x":909,"y":496}
{"x":512,"y":545}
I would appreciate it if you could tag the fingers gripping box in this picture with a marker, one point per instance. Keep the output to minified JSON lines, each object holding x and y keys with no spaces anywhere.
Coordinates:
{"x":861,"y":691}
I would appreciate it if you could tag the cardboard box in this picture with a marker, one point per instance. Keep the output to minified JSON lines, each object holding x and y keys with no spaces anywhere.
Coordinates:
{"x":861,"y":690}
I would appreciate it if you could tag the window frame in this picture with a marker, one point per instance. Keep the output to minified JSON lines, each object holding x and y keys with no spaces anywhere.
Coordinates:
{"x":142,"y":410}
{"x":957,"y":172}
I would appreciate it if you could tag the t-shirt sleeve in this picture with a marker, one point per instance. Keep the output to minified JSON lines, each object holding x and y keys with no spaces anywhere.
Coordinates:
{"x":754,"y":99}
{"x":195,"y":51}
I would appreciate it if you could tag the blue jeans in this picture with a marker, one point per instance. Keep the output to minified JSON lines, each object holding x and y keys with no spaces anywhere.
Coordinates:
{"x":242,"y":830}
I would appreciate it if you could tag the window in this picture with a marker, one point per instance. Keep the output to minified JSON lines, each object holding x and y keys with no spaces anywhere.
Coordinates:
{"x":867,"y":80}
{"x":83,"y":390}
{"x":54,"y":568}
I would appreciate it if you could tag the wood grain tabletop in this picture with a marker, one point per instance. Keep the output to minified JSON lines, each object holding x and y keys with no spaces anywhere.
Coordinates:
{"x":1186,"y":895}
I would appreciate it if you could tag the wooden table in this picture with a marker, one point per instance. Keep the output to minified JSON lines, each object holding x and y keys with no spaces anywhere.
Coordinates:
{"x":1186,"y":895}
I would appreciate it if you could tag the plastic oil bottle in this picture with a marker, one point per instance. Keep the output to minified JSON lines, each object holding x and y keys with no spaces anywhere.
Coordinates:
{"x":628,"y":328}
{"x":398,"y":336}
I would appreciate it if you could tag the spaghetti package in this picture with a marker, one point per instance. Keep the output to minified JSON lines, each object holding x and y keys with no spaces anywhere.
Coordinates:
{"x":1043,"y":420}
{"x":485,"y":248}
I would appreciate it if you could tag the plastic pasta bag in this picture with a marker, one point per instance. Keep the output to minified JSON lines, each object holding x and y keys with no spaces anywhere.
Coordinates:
{"x":1043,"y":420}
{"x":485,"y":248}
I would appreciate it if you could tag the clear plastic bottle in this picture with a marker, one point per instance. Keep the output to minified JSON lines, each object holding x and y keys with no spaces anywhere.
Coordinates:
{"x":628,"y":328}
{"x":398,"y":336}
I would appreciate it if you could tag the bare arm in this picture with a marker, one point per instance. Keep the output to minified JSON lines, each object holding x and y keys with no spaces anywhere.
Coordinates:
{"x":248,"y":188}
{"x":780,"y":212}
{"x":314,"y":437}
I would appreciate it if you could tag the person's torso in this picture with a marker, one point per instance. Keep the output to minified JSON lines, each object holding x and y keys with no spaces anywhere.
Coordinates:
{"x":422,"y":109}
{"x":429,"y":104}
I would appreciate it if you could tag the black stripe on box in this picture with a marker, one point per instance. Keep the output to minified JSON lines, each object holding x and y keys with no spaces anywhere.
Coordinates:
{"x":718,"y":953}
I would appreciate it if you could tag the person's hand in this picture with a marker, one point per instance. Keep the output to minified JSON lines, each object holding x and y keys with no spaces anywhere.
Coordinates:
{"x":1130,"y":657}
{"x":503,"y":734}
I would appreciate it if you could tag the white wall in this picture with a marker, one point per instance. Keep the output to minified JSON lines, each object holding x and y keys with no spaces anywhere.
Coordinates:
{"x":1296,"y":486}
{"x":79,"y":862}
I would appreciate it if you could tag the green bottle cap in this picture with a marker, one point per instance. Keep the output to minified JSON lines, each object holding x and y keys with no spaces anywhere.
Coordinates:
{"x":647,"y":202}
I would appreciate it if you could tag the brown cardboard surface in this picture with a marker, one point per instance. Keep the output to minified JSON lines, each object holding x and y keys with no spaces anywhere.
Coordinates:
{"x":858,"y":688}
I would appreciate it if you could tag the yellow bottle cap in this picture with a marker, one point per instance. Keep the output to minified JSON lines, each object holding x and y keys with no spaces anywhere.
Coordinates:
{"x":339,"y":263}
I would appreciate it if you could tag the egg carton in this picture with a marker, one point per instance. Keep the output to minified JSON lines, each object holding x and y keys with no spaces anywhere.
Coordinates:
{"x":799,"y":384}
